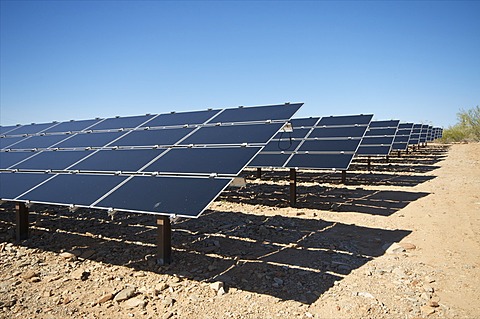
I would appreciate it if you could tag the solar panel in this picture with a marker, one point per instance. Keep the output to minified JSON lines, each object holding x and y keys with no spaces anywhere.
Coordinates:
{"x":415,"y":135}
{"x":378,"y":139}
{"x":400,"y":143}
{"x":423,"y":133}
{"x":167,"y":164}
{"x":316,"y":143}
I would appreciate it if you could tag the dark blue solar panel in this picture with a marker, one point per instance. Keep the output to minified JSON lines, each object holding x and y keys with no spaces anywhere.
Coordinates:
{"x":204,"y":160}
{"x":37,"y":141}
{"x":374,"y":150}
{"x":377,"y":140}
{"x":399,"y":146}
{"x":7,"y":129}
{"x":71,"y":126}
{"x":121,"y":122}
{"x":401,"y":138}
{"x":13,"y":185}
{"x":32,"y":128}
{"x":153,"y":137}
{"x":8,"y":159}
{"x":381,"y":131}
{"x":6,"y":142}
{"x":338,"y":132}
{"x":281,"y":145}
{"x":321,"y":161}
{"x":346,"y":120}
{"x":330,"y":145}
{"x":307,"y":122}
{"x":234,"y":134}
{"x":388,"y":123}
{"x":405,"y":126}
{"x":77,"y":189}
{"x":269,"y":160}
{"x":154,"y":194}
{"x":261,"y":113}
{"x":53,"y":160}
{"x":118,"y":160}
{"x":182,"y":118}
{"x":82,"y":140}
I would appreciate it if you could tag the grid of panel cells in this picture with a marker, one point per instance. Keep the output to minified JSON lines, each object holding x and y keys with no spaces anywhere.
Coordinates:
{"x":172,"y":164}
{"x":400,"y":143}
{"x":379,"y":138}
{"x":315,"y":143}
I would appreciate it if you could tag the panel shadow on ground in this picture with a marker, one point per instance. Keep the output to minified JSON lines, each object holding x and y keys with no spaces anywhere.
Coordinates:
{"x":339,"y":199}
{"x":288,"y":258}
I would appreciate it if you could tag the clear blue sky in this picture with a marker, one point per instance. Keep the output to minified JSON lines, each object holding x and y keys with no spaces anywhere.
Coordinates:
{"x":413,"y":61}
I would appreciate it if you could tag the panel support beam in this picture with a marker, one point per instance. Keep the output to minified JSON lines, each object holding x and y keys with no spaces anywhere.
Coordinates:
{"x":259,"y":173}
{"x":399,"y":153}
{"x":369,"y":164}
{"x":293,"y":187}
{"x":22,"y":221}
{"x":344,"y":177}
{"x":164,"y":241}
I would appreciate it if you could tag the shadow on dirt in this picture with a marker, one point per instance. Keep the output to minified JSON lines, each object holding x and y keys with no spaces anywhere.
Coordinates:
{"x":373,"y":202}
{"x":289,"y":258}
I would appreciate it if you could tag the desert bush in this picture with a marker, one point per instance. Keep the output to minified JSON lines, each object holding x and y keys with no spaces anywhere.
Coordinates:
{"x":466,"y":129}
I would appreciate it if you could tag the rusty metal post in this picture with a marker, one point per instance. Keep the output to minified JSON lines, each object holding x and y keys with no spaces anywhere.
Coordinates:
{"x":164,"y":241}
{"x":344,"y":177}
{"x":22,"y":221}
{"x":259,"y":173}
{"x":293,"y":187}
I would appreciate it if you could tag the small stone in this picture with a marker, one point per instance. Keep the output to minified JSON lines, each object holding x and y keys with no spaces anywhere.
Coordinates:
{"x":134,"y":302}
{"x":125,"y":294}
{"x":427,"y":310}
{"x":221,"y":292}
{"x":408,"y":246}
{"x":395,"y":248}
{"x":29,"y":275}
{"x":433,"y":304}
{"x":428,"y":288}
{"x":105,"y":298}
{"x":169,"y":301}
{"x":80,"y":274}
{"x":35,"y":279}
{"x":160,"y":287}
{"x":365,"y":294}
{"x":216,"y":286}
{"x":308,"y":315}
{"x":68,"y":256}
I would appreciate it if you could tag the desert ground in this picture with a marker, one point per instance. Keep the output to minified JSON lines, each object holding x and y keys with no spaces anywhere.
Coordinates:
{"x":399,"y":241}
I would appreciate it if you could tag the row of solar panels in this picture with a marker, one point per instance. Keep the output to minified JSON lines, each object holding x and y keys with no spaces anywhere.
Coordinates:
{"x":178,"y":163}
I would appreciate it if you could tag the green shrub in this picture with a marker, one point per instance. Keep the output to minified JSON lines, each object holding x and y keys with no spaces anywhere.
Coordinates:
{"x":467,"y":128}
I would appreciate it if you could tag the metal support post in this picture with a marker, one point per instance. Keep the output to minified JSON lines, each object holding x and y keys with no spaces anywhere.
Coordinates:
{"x":293,"y":187}
{"x":344,"y":177}
{"x":259,"y":173}
{"x":369,"y":164}
{"x":164,"y":241}
{"x":22,"y":221}
{"x":399,"y":153}
{"x":388,"y":158}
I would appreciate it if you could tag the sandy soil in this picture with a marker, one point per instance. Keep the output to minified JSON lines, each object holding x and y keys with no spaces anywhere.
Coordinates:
{"x":401,"y":241}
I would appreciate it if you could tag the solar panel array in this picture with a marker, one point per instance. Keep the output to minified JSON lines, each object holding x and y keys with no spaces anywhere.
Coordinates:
{"x":168,"y":164}
{"x":378,"y":139}
{"x":316,"y":143}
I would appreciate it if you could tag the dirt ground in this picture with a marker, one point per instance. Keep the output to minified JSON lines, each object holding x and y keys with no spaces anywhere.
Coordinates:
{"x":400,"y":241}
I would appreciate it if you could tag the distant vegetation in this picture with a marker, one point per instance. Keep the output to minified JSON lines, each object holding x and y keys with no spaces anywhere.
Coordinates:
{"x":467,"y":127}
